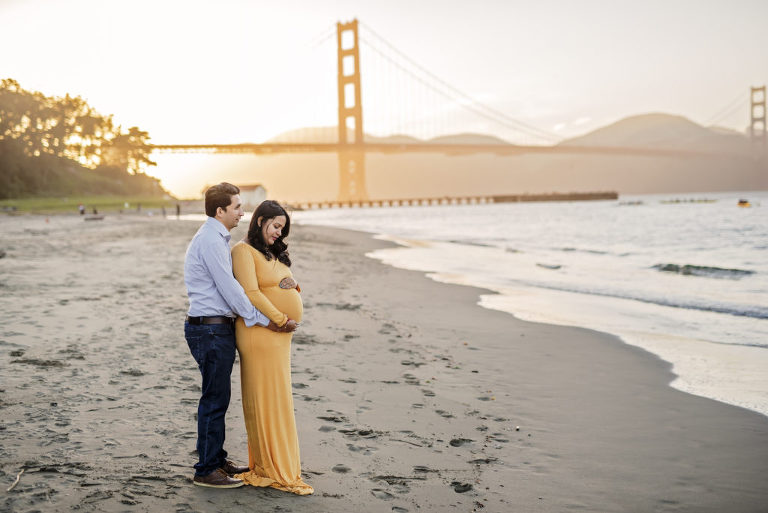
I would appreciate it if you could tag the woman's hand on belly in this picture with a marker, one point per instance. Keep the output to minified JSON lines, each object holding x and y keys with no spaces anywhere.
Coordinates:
{"x":287,"y":301}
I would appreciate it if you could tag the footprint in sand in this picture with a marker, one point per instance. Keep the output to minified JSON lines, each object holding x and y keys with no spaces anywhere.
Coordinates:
{"x":461,"y":487}
{"x":360,"y":433}
{"x":72,"y":354}
{"x":335,"y":417}
{"x":40,"y":363}
{"x":362,"y":449}
{"x":458,"y":442}
{"x":341,"y":306}
{"x":326,"y":429}
{"x":483,"y":461}
{"x":341,"y":469}
{"x":132,"y":372}
{"x":411,"y":379}
{"x":304,"y":339}
{"x":381,"y":494}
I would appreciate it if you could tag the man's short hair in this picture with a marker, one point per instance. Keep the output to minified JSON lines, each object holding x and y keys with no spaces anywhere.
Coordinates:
{"x":219,"y":196}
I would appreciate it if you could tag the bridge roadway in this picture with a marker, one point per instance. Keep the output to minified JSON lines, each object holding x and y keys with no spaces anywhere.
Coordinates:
{"x":447,"y":149}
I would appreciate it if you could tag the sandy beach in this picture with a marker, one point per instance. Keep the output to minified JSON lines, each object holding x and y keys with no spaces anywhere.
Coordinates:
{"x":409,"y":397}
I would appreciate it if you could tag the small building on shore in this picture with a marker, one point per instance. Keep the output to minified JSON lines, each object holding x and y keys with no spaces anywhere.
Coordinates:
{"x":252,"y":195}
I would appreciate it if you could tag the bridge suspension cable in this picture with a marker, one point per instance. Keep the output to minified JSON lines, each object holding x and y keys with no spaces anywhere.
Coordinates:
{"x":446,"y":90}
{"x":323,"y":36}
{"x":730,"y":108}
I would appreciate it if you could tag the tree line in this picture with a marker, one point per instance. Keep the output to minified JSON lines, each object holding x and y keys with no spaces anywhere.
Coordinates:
{"x":61,"y":145}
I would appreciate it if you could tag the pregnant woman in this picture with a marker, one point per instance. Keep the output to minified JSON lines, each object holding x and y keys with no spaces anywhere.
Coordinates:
{"x":262,"y":267}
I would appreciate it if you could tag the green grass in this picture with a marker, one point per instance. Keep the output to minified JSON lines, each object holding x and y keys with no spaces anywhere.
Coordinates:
{"x":69,"y":204}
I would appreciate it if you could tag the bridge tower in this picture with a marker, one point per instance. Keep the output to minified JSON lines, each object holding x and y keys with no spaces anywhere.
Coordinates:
{"x":757,"y":127}
{"x":351,"y":153}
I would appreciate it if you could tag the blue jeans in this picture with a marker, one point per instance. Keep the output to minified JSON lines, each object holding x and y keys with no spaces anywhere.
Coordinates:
{"x":213,"y":347}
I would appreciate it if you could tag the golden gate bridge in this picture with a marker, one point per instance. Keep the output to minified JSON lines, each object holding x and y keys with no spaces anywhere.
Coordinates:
{"x":351,"y":146}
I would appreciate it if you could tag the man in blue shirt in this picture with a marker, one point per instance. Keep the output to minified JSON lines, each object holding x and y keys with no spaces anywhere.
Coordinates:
{"x":215,"y":299}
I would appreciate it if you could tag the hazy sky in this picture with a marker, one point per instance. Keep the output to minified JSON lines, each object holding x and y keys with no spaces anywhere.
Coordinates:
{"x":188,"y":70}
{"x":235,"y":71}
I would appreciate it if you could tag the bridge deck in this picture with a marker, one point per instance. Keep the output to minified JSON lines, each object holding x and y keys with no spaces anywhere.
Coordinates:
{"x":447,"y":149}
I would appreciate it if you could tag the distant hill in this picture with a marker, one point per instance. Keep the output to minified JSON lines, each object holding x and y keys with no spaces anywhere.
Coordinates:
{"x":467,"y":138}
{"x":734,"y":167}
{"x":725,"y":131}
{"x":663,"y":131}
{"x":656,"y":130}
{"x":329,"y":134}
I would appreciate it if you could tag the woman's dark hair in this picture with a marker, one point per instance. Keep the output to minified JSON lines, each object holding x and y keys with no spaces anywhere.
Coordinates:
{"x":219,"y":196}
{"x":267,"y":210}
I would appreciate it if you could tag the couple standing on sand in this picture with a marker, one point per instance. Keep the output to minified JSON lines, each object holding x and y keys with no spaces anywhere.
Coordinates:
{"x":247,"y":299}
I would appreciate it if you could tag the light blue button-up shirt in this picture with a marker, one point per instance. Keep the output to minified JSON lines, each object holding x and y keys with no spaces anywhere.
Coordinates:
{"x":211,"y":287}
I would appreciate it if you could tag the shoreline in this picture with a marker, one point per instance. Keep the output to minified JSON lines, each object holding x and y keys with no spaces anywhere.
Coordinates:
{"x":409,"y":396}
{"x":693,"y":368}
{"x":716,"y":351}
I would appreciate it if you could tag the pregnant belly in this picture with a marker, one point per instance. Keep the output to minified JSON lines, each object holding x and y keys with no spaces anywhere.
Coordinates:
{"x":287,"y":301}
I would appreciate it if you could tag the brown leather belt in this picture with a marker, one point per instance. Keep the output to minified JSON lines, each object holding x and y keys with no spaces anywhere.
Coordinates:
{"x":219,"y":319}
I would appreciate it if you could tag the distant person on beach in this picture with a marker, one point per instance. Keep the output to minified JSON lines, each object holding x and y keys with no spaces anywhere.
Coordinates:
{"x":178,"y":210}
{"x":215,"y":297}
{"x":261,"y":265}
{"x":81,"y":209}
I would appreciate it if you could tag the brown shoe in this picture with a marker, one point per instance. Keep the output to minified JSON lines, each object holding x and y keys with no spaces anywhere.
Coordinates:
{"x":232,"y":469}
{"x":217,"y":479}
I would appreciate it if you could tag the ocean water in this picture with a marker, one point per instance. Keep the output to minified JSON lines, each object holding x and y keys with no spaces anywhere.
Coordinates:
{"x":682,"y":276}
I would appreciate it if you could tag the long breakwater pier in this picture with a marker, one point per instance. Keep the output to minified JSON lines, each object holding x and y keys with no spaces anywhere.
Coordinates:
{"x":458,"y":200}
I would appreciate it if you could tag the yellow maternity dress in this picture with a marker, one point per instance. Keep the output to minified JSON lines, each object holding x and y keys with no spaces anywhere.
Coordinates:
{"x":265,"y":369}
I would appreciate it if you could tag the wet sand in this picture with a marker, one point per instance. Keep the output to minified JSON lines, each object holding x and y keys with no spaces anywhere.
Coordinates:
{"x":408,"y":396}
